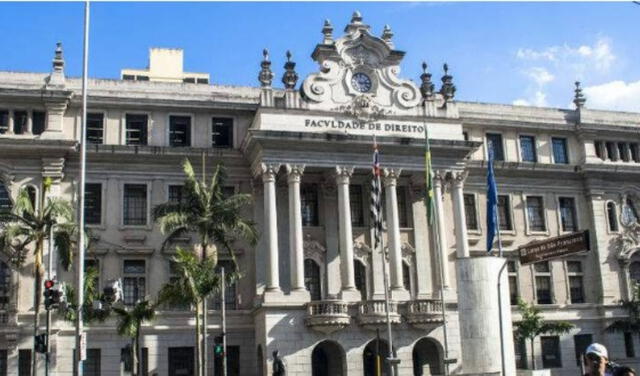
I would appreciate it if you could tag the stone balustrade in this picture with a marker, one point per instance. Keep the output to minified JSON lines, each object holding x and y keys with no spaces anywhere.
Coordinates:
{"x":372,"y":313}
{"x":327,"y":316}
{"x":424,"y":313}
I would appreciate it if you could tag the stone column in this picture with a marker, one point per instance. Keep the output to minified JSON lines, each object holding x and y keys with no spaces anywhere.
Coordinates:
{"x":296,"y":248}
{"x":269,"y":172}
{"x":10,"y":123}
{"x":462,"y":242}
{"x":441,"y":240}
{"x":396,"y":285}
{"x":29,"y":129}
{"x":421,"y":240}
{"x":348,"y":291}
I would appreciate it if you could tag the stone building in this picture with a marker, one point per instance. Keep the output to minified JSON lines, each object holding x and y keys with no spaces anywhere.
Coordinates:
{"x":313,"y":286}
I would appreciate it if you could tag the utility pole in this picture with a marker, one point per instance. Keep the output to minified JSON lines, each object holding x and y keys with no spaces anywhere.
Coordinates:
{"x":47,"y":355}
{"x":223,"y":311}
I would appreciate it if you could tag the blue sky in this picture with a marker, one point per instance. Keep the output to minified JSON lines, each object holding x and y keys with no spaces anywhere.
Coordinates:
{"x":523,"y":53}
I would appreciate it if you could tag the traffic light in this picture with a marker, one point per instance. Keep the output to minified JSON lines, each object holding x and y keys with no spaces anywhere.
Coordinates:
{"x":53,"y":294}
{"x":218,"y":349}
{"x":41,"y":343}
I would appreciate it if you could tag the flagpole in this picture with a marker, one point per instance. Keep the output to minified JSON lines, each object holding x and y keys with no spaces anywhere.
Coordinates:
{"x":80,"y":340}
{"x":434,"y":224}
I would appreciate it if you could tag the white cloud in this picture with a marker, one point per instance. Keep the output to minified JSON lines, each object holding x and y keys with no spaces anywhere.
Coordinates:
{"x":599,"y":55}
{"x":540,"y":76}
{"x":538,"y":99}
{"x":614,"y":95}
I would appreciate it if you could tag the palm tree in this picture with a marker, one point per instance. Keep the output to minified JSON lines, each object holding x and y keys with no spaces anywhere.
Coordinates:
{"x":91,"y":295}
{"x":27,"y":227}
{"x":129,"y":325}
{"x":217,"y":220}
{"x":532,"y":325}
{"x":632,"y":323}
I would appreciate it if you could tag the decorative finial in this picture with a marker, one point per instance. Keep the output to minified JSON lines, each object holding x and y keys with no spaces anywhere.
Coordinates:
{"x":387,"y":34}
{"x":58,"y":59}
{"x":266,"y":75}
{"x":448,"y":89}
{"x":290,"y":77}
{"x":427,"y":87}
{"x":356,"y":17}
{"x":356,"y":24}
{"x":327,"y":31}
{"x":57,"y":78}
{"x":579,"y":98}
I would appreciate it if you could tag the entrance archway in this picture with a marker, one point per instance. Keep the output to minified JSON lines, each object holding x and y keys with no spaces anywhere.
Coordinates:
{"x":427,"y":358}
{"x":373,"y":353}
{"x":328,"y":359}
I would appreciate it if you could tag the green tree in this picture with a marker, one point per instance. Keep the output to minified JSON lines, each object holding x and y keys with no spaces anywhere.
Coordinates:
{"x":630,"y":324}
{"x":27,"y":226}
{"x":90,"y":313}
{"x":532,"y":325}
{"x":130,"y":323}
{"x":217,"y":220}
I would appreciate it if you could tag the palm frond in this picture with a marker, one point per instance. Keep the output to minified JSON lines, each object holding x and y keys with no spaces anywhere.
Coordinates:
{"x":58,"y":209}
{"x":63,"y":243}
{"x":173,"y":221}
{"x":23,"y":205}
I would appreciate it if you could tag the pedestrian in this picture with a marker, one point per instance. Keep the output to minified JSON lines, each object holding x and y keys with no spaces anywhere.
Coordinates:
{"x":596,"y":358}
{"x":624,"y":371}
{"x":278,"y":365}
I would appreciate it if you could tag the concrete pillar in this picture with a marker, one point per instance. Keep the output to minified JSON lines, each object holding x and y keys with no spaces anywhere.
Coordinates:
{"x":332,"y":257}
{"x":438,"y":181}
{"x":296,"y":250}
{"x":10,"y":122}
{"x":29,"y":129}
{"x":396,"y":285}
{"x":423,"y":259}
{"x":462,"y":242}
{"x":477,"y":287}
{"x":269,"y":172}
{"x":348,"y":291}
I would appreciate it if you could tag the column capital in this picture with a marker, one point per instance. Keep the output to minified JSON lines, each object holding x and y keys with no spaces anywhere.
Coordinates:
{"x":294,"y":172}
{"x":391,"y":176}
{"x":458,"y":178}
{"x":343,"y":174}
{"x":269,"y":171}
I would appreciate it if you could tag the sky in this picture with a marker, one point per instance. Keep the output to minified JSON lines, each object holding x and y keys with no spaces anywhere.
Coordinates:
{"x":498,"y":52}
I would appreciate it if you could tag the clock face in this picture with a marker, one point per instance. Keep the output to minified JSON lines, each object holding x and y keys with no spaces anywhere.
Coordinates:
{"x":361,"y":82}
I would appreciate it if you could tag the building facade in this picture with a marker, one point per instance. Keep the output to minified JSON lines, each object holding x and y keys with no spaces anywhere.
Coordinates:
{"x":312,"y":286}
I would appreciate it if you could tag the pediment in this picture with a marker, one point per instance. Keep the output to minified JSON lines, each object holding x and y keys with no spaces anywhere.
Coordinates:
{"x":359,"y":68}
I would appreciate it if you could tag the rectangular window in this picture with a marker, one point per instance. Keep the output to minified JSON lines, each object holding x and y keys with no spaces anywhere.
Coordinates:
{"x":568,"y":214}
{"x":504,"y":213}
{"x":494,"y":145}
{"x":24,"y":362}
{"x":470,"y":211}
{"x":38,"y":121}
{"x":233,"y":362}
{"x":580,"y":344}
{"x":513,"y":282}
{"x":5,"y":287}
{"x":356,"y":205}
{"x":309,"y":204}
{"x":175,"y":194}
{"x":535,"y":213}
{"x":95,"y":265}
{"x":622,"y":151}
{"x":144,"y":362}
{"x":560,"y":155}
{"x":95,"y":128}
{"x":576,"y":282}
{"x":136,"y":129}
{"x":610,"y":147}
{"x":20,"y":119}
{"x":179,"y":131}
{"x":4,"y":121}
{"x":91,"y":365}
{"x":202,"y":80}
{"x":403,"y":219}
{"x":3,"y":362}
{"x":551,"y":357}
{"x":629,"y":349}
{"x":222,"y":133}
{"x":174,"y":277}
{"x":632,"y":147}
{"x":230,"y":293}
{"x":181,"y":361}
{"x":528,"y":149}
{"x":128,"y":77}
{"x":135,"y":205}
{"x":520,"y":347}
{"x":543,"y":282}
{"x":133,"y":282}
{"x":93,"y":203}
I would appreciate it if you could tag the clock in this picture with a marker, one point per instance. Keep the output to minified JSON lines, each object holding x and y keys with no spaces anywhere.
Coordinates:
{"x":361,"y":82}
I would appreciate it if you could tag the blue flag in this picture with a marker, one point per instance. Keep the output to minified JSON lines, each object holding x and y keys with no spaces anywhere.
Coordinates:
{"x":492,"y":205}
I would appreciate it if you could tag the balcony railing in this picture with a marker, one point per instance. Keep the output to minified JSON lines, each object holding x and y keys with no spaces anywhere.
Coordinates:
{"x":373,"y":313}
{"x":424,"y":313}
{"x":327,"y":315}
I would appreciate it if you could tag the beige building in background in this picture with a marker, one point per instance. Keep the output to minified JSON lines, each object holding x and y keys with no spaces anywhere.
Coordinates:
{"x":312,"y":286}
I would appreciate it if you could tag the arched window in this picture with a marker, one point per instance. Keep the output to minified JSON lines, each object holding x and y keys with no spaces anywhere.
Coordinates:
{"x":5,"y":200}
{"x":406,"y":276}
{"x":360,"y":273}
{"x":629,"y":213}
{"x":312,"y":279}
{"x":634,"y":272}
{"x":612,"y":216}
